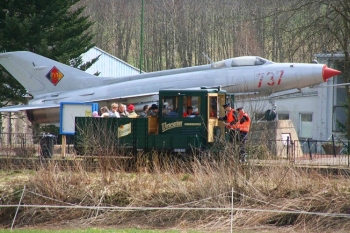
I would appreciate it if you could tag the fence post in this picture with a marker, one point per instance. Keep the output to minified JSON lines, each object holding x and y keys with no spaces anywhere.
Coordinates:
{"x":288,"y":141}
{"x":333,"y":146}
{"x":19,"y":204}
{"x":308,"y":145}
{"x":294,"y":150}
{"x":231,"y":210}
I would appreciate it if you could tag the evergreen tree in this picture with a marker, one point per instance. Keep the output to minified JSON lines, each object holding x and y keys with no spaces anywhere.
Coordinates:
{"x":52,"y":28}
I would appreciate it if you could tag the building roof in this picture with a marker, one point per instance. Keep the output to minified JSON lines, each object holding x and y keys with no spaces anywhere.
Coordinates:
{"x":108,"y":65}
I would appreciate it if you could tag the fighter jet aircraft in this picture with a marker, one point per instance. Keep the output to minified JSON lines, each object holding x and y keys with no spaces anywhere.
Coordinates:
{"x":51,"y":82}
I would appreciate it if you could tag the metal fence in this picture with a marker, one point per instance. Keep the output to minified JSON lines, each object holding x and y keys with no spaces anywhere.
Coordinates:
{"x":19,"y":144}
{"x":15,"y":139}
{"x":327,"y":153}
{"x":307,"y":152}
{"x":24,"y":145}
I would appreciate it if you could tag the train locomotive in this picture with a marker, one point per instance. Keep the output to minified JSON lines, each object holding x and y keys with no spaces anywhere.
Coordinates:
{"x":187,"y":121}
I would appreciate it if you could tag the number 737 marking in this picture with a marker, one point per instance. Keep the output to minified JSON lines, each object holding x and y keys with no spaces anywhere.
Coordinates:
{"x":270,"y":78}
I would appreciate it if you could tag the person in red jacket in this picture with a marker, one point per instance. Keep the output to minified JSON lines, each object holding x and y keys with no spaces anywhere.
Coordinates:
{"x":243,"y":124}
{"x":189,"y":112}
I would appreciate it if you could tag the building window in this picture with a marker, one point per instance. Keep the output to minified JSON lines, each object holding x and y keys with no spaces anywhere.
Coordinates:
{"x":305,"y":125}
{"x":339,"y":118}
{"x":339,"y":98}
{"x":283,"y":116}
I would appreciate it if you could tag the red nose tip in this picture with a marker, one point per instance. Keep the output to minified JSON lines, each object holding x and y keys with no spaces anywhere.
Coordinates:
{"x":329,"y":72}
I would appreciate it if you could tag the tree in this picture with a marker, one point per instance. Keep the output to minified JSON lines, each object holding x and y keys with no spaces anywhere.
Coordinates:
{"x":325,"y":26}
{"x":338,"y":26}
{"x":52,"y":28}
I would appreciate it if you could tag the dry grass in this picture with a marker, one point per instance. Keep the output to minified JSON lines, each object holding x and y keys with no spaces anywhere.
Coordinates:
{"x":163,"y":181}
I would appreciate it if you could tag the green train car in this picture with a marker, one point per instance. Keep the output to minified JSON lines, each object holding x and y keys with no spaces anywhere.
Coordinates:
{"x":171,"y":131}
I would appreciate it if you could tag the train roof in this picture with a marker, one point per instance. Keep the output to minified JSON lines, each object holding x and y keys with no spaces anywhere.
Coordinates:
{"x":193,"y":91}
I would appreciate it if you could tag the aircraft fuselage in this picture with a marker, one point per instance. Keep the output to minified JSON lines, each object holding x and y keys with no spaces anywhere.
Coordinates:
{"x":51,"y":82}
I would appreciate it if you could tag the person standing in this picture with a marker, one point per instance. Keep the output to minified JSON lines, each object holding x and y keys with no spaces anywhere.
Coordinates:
{"x":243,"y":124}
{"x":230,"y":121}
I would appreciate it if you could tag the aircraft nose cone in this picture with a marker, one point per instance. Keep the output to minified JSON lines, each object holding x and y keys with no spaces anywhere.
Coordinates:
{"x":329,"y":72}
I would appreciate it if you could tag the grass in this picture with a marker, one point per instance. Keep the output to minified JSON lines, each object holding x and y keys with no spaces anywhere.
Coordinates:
{"x":167,"y":182}
{"x":94,"y":230}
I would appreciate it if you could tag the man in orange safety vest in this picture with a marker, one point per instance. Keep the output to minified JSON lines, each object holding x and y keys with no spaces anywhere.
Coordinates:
{"x":230,"y":121}
{"x":243,"y":124}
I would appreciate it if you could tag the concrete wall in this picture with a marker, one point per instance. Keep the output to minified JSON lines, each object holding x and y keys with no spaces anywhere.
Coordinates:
{"x":278,"y":136}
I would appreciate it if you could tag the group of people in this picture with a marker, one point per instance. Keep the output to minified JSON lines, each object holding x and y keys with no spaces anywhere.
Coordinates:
{"x":123,"y":111}
{"x":237,"y":121}
{"x":120,"y":111}
{"x":117,"y":110}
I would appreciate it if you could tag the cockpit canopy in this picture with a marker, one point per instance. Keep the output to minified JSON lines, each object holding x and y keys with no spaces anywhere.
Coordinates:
{"x":241,"y":61}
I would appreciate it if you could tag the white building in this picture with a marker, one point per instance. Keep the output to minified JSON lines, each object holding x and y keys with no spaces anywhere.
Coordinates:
{"x":107,"y":64}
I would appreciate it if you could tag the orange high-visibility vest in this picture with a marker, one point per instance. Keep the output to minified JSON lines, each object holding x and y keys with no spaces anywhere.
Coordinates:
{"x":245,"y":126}
{"x":230,"y":117}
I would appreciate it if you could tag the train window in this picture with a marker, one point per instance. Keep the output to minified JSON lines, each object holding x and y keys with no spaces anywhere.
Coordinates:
{"x":170,"y":106}
{"x":213,"y":107}
{"x":191,"y":106}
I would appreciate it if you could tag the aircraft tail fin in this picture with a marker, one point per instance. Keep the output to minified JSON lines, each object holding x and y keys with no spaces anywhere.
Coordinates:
{"x":41,"y":75}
